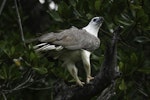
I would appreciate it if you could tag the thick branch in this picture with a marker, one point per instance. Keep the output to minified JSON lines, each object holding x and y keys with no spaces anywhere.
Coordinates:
{"x":101,"y":81}
{"x":107,"y":93}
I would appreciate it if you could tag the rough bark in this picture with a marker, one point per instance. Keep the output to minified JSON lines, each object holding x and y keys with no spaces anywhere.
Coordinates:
{"x":102,"y":80}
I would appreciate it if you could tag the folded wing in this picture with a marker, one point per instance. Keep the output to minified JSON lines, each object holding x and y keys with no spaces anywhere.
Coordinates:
{"x":72,"y":39}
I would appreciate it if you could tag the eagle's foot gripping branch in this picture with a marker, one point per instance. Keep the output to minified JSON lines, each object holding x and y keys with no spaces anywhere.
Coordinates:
{"x":80,"y":83}
{"x":89,"y":78}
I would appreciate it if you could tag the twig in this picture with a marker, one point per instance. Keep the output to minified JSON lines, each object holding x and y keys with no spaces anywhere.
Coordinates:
{"x":120,"y":38}
{"x":20,"y":24}
{"x":4,"y":96}
{"x":20,"y":86}
{"x":45,"y":88}
{"x":15,"y":89}
{"x":106,"y":33}
{"x":125,"y":43}
{"x":2,"y":6}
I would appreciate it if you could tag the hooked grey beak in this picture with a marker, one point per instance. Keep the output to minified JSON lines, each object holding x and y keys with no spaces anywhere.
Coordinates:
{"x":100,"y":20}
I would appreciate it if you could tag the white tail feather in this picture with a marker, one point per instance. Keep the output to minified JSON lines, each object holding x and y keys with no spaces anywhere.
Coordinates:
{"x":37,"y":46}
{"x":46,"y":47}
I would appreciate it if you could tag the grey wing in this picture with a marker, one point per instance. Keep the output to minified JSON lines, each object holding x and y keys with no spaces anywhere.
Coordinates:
{"x":64,"y":35}
{"x":79,"y":39}
{"x":72,"y":39}
{"x":66,"y":38}
{"x":52,"y":37}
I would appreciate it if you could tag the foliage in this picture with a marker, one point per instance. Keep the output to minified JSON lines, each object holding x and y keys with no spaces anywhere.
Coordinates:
{"x":27,"y":75}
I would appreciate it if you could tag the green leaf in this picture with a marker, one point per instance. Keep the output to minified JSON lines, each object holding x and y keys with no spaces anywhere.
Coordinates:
{"x":64,"y":9}
{"x":33,"y":56}
{"x":41,"y":70}
{"x":97,"y":5}
{"x":122,"y":86}
{"x":142,"y":39}
{"x":142,"y":16}
{"x":133,"y":58}
{"x":3,"y":73}
{"x":145,"y":70}
{"x":124,"y":23}
{"x":12,"y":50}
{"x":121,"y":65}
{"x":72,"y":2}
{"x":56,"y":16}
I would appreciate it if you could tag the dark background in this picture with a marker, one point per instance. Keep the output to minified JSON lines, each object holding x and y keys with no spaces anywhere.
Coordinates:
{"x":34,"y":77}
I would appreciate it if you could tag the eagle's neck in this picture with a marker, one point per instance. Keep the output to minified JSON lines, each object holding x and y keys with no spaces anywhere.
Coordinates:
{"x":92,"y":30}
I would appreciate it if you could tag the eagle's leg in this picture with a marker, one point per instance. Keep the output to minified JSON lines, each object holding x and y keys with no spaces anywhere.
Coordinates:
{"x":74,"y":72}
{"x":87,"y":66}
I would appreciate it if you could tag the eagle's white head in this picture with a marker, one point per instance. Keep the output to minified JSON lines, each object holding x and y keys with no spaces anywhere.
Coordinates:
{"x":94,"y":25}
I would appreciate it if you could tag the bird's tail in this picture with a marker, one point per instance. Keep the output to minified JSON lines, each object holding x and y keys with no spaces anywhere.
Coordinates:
{"x":46,"y":47}
{"x":42,"y":46}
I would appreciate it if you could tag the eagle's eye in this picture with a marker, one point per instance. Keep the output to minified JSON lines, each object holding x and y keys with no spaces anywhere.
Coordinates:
{"x":94,"y":20}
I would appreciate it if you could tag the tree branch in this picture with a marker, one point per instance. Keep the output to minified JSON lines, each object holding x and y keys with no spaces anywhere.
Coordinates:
{"x":19,"y":21}
{"x":102,"y":80}
{"x":107,"y":93}
{"x":22,"y":85}
{"x":2,"y":6}
{"x":4,"y":96}
{"x":45,"y":88}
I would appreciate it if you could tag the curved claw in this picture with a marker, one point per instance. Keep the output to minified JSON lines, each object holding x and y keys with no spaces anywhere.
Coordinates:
{"x":80,"y":83}
{"x":89,"y":78}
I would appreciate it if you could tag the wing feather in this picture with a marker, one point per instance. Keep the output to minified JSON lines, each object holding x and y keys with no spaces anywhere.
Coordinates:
{"x":72,"y":39}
